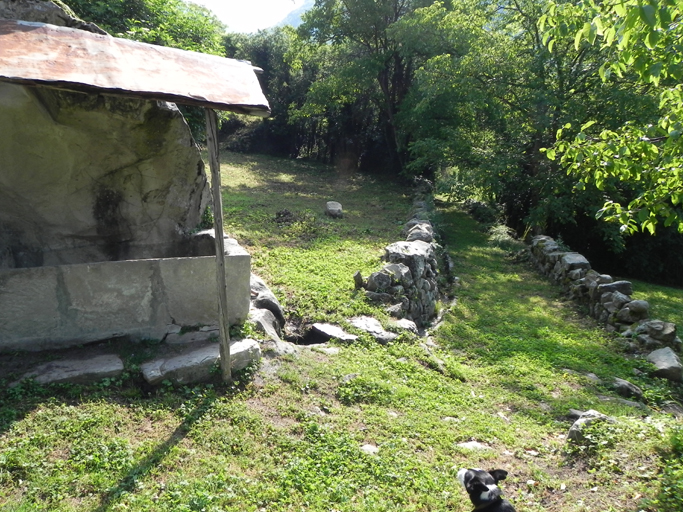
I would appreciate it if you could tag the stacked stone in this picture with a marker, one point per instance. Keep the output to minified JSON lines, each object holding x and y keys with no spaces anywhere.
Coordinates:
{"x":610,"y":303}
{"x":407,"y":283}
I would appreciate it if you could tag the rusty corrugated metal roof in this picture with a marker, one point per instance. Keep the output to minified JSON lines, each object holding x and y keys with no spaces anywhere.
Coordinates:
{"x":41,"y":54}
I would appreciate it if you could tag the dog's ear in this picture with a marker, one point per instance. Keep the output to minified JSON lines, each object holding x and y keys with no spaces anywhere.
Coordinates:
{"x":476,"y":484}
{"x":498,"y":474}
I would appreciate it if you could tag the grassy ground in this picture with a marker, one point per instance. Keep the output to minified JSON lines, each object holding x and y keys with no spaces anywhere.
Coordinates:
{"x":289,"y":436}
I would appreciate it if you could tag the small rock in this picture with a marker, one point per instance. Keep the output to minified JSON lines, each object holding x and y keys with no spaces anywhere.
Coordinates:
{"x":264,"y":320}
{"x":649,"y":342}
{"x":334,"y":209}
{"x":574,"y":414}
{"x":405,"y":324}
{"x":593,"y":378}
{"x":379,"y":298}
{"x":667,"y":364}
{"x":589,"y":417}
{"x":373,"y":327}
{"x":277,"y":348}
{"x":370,"y":449}
{"x":673,"y":408}
{"x":358,"y":280}
{"x":324,"y":349}
{"x":625,"y":388}
{"x":396,"y":311}
{"x":474,"y":445}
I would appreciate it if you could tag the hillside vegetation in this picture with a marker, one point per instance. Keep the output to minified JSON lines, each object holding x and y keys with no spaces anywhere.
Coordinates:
{"x":564,"y":116}
{"x":289,"y":435}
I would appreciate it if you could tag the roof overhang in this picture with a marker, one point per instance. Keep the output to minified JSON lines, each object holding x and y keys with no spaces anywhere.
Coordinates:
{"x":76,"y":60}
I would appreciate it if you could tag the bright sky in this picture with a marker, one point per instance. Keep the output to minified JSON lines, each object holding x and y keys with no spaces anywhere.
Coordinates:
{"x":250,"y":15}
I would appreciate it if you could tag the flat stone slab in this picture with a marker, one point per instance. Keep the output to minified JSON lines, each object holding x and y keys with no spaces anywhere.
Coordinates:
{"x":326,"y":332}
{"x":373,"y":327}
{"x":77,"y":371}
{"x":323,"y":348}
{"x":196,"y":365}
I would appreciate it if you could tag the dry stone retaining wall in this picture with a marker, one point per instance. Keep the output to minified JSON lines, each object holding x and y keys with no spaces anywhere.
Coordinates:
{"x":611,"y":304}
{"x":408,"y":282}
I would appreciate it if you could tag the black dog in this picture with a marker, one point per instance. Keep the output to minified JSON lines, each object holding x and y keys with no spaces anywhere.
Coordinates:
{"x":483,"y":491}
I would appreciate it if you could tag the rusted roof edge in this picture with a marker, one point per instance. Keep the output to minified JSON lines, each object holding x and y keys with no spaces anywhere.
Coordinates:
{"x":38,"y":54}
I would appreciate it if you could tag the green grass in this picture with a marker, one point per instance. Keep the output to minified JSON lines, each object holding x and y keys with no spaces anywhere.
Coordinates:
{"x":288,"y":437}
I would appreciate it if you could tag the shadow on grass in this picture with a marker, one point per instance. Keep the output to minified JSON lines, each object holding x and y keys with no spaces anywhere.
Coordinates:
{"x":142,"y":468}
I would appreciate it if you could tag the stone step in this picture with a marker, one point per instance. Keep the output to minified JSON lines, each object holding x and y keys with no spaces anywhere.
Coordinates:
{"x":196,"y":365}
{"x":76,"y":371}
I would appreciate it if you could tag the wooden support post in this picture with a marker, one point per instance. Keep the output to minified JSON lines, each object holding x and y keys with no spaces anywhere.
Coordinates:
{"x":214,"y":165}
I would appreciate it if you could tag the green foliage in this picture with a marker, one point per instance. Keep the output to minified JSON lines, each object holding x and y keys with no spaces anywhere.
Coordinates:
{"x":638,"y":41}
{"x":174,"y":23}
{"x":290,"y":437}
{"x":363,"y":390}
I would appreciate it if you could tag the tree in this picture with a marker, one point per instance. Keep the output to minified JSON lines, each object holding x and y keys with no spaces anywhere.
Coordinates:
{"x":369,"y":72}
{"x":174,"y":23}
{"x":646,"y":158}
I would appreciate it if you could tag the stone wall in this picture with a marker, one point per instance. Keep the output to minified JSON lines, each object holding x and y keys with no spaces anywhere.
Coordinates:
{"x":610,"y":302}
{"x":59,"y":306}
{"x":408,"y":282}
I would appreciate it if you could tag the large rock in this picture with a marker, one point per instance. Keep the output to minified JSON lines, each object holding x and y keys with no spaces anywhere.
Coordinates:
{"x":574,"y":261}
{"x":196,"y":366}
{"x":378,"y":282}
{"x":625,"y":287}
{"x":415,"y":255}
{"x":627,"y":389}
{"x":667,"y":364}
{"x":44,"y":11}
{"x":659,"y":330}
{"x":401,"y":273}
{"x":88,"y":177}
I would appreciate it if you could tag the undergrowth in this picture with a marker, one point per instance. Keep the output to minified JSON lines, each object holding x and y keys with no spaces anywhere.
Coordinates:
{"x":372,"y":427}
